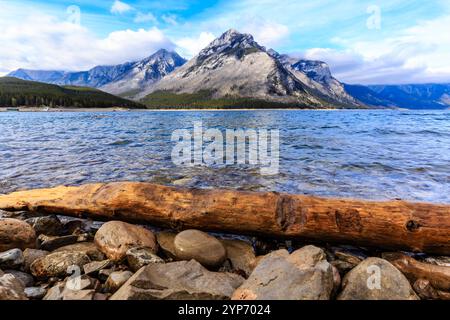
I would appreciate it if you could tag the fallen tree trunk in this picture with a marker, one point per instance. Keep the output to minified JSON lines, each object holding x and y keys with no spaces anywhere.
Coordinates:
{"x":419,"y":227}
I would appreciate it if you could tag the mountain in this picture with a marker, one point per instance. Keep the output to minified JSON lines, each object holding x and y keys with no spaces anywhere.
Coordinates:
{"x":412,"y":96}
{"x":234,"y":70}
{"x":120,"y":79}
{"x":16,"y":92}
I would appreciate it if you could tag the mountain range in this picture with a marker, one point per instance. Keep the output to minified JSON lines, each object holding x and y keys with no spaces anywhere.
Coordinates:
{"x":235,"y":71}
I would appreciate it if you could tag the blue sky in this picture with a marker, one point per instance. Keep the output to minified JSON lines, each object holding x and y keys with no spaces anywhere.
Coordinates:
{"x":380,"y":41}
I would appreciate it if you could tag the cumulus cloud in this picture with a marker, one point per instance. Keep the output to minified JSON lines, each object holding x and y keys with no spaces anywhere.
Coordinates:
{"x":120,"y":7}
{"x":415,"y":55}
{"x":191,"y":46}
{"x":44,"y":42}
{"x":267,"y":33}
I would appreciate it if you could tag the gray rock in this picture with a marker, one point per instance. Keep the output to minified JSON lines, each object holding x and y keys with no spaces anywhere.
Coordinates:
{"x":11,"y":259}
{"x":95,"y":266}
{"x":30,"y":255}
{"x":241,"y":255}
{"x":116,"y":280}
{"x":11,"y":288}
{"x":49,"y":243}
{"x":88,"y":248}
{"x":26,"y":279}
{"x":48,"y":225}
{"x":376,"y":279}
{"x":58,"y":264}
{"x":140,"y":257}
{"x":200,"y":246}
{"x":84,"y":282}
{"x":183,"y":280}
{"x":55,"y":292}
{"x":303,"y":275}
{"x":165,"y":241}
{"x":35,"y":293}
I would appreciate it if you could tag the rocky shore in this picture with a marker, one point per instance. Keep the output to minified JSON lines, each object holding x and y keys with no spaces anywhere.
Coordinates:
{"x":54,"y":257}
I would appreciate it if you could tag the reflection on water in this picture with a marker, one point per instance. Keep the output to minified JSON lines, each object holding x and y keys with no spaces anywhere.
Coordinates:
{"x":364,"y":154}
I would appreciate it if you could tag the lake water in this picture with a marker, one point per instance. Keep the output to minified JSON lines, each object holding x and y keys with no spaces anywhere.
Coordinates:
{"x":362,"y":154}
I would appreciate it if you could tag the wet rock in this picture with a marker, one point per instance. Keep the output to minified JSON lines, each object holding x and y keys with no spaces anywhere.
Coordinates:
{"x":95,"y":266}
{"x":342,"y":266}
{"x":200,"y":246}
{"x":16,"y":234}
{"x":11,"y":288}
{"x":183,"y":280}
{"x":25,"y":278}
{"x":241,"y":255}
{"x":11,"y":259}
{"x":115,"y":238}
{"x":58,"y":264}
{"x":426,"y":291}
{"x":35,"y":293}
{"x":166,"y":243}
{"x":48,"y":225}
{"x":439,"y":261}
{"x":30,"y":255}
{"x":303,"y":275}
{"x":49,"y":243}
{"x":88,"y":248}
{"x":140,"y":257}
{"x":376,"y":279}
{"x":116,"y":280}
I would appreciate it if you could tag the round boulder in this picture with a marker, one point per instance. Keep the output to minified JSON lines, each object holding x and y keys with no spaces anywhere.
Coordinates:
{"x":16,"y":234}
{"x":200,"y":246}
{"x":115,"y":238}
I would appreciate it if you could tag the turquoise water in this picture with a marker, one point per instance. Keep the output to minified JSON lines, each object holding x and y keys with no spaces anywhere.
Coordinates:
{"x":362,"y":154}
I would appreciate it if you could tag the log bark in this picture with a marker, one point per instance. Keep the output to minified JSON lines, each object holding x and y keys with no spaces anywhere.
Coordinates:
{"x":418,"y":227}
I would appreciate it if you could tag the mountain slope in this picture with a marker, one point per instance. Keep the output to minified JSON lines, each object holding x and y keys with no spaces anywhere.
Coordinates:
{"x":119,"y":79}
{"x":16,"y":92}
{"x":232,"y":70}
{"x":414,"y":96}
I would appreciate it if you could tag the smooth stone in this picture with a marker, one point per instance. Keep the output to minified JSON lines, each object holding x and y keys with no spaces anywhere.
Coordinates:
{"x":58,"y":264}
{"x":31,"y":255}
{"x":50,"y":243}
{"x":116,"y":280}
{"x":182,"y":280}
{"x":16,"y":234}
{"x":83,"y":282}
{"x":96,"y":266}
{"x":140,"y":257}
{"x":35,"y":293}
{"x":48,"y":225}
{"x":166,"y":243}
{"x":26,"y":279}
{"x":241,"y":255}
{"x":11,"y":288}
{"x":376,"y":279}
{"x":115,"y":238}
{"x":11,"y":259}
{"x":303,"y":275}
{"x":200,"y":246}
{"x":88,"y":248}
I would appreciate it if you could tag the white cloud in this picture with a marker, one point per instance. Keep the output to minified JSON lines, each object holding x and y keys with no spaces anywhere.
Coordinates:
{"x":418,"y":54}
{"x":120,"y":7}
{"x":265,"y":32}
{"x":191,"y":46}
{"x":145,"y":17}
{"x":170,"y":19}
{"x":44,"y":42}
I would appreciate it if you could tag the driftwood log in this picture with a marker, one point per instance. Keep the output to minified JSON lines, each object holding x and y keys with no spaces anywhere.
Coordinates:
{"x":418,"y":227}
